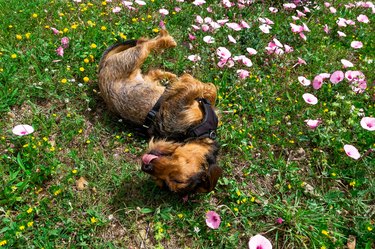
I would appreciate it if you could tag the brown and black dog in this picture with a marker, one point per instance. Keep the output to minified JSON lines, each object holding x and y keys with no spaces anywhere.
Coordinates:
{"x":175,"y":158}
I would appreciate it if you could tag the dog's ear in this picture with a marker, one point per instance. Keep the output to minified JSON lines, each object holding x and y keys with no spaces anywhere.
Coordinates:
{"x":209,"y":179}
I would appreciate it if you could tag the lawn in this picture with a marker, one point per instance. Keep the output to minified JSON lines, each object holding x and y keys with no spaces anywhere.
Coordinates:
{"x":296,"y":96}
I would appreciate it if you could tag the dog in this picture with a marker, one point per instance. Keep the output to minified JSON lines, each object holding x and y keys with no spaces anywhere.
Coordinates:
{"x":180,"y":118}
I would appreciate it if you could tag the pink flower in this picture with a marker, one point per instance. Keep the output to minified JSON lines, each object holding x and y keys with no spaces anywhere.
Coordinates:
{"x":273,"y":10}
{"x":317,"y":82}
{"x":265,"y":28}
{"x":163,"y":12}
{"x":60,"y":51}
{"x":243,"y":74}
{"x":231,"y":39}
{"x":341,"y":34}
{"x":22,"y":130}
{"x":65,"y":42}
{"x":296,"y":28}
{"x":141,"y":3}
{"x":310,"y":99}
{"x":300,"y":14}
{"x":354,"y":75}
{"x":116,"y":9}
{"x":205,"y":27}
{"x":327,"y":5}
{"x":208,"y":39}
{"x":199,"y":2}
{"x":199,"y":19}
{"x":192,"y":37}
{"x":279,"y":220}
{"x":346,"y":63}
{"x":341,"y":22}
{"x":368,"y":123}
{"x":313,"y":123}
{"x":304,"y":81}
{"x":259,"y":242}
{"x":244,"y":24}
{"x":351,"y":151}
{"x":326,"y":28}
{"x":251,"y":51}
{"x":55,"y":31}
{"x":223,"y":53}
{"x":337,"y":77}
{"x":234,"y":26}
{"x":289,"y":6}
{"x":288,"y":49}
{"x":363,"y":18}
{"x":332,"y":10}
{"x":213,"y":220}
{"x":356,"y":44}
{"x":194,"y":58}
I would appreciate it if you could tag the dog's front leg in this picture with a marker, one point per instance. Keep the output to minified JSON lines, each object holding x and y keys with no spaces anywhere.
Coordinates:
{"x":158,"y":75}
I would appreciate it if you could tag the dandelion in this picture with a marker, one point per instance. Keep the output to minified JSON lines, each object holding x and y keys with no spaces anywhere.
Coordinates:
{"x":22,"y":228}
{"x":3,"y":243}
{"x":57,"y":192}
{"x":82,"y":69}
{"x":103,"y":28}
{"x":155,"y":30}
{"x":30,"y":223}
{"x":86,"y":79}
{"x":259,"y":242}
{"x":180,"y":216}
{"x":93,"y":46}
{"x":29,"y":210}
{"x":64,"y":81}
{"x":369,"y":228}
{"x":13,"y":56}
{"x":19,"y":37}
{"x":325,"y":232}
{"x":93,"y":220}
{"x":352,"y":184}
{"x":213,"y":220}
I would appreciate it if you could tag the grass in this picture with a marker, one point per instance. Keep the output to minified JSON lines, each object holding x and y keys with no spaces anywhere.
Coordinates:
{"x":274,"y":166}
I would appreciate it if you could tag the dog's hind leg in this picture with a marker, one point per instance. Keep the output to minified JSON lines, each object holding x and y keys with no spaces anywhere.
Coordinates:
{"x":158,"y":75}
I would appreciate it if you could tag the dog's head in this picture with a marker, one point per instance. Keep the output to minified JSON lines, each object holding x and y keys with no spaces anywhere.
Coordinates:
{"x":183,"y":167}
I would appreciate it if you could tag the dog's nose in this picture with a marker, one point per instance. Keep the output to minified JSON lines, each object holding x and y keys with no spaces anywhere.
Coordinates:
{"x":147,"y":168}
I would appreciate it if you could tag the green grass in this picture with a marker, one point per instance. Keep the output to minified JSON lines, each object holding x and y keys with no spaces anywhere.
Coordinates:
{"x":323,"y":196}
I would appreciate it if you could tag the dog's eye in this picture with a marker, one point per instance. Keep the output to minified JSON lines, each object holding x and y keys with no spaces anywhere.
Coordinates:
{"x":177,"y":181}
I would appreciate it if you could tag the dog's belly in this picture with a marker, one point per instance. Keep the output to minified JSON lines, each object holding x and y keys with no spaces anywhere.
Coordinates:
{"x":135,"y":100}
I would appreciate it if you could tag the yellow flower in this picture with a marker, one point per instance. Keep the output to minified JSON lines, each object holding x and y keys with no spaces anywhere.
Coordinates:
{"x":149,"y":16}
{"x":25,"y":145}
{"x":65,"y":30}
{"x":34,"y":15}
{"x":235,"y":209}
{"x":52,"y":149}
{"x":81,"y":69}
{"x":352,"y":183}
{"x":74,"y":171}
{"x":104,"y":3}
{"x":22,"y":228}
{"x":64,"y":81}
{"x":369,"y":228}
{"x":19,"y":37}
{"x":3,"y":243}
{"x":123,"y":36}
{"x":134,"y":19}
{"x":325,"y":232}
{"x":103,"y":28}
{"x":93,"y":46}
{"x":252,"y":199}
{"x":86,"y":60}
{"x":29,"y":210}
{"x":180,"y":216}
{"x":30,"y":223}
{"x":333,"y":174}
{"x":27,"y":35}
{"x":74,"y":26}
{"x":88,"y":141}
{"x":80,"y":131}
{"x":289,"y":186}
{"x":155,"y":30}
{"x":238,"y":192}
{"x":13,"y":56}
{"x":93,"y":220}
{"x":57,"y":192}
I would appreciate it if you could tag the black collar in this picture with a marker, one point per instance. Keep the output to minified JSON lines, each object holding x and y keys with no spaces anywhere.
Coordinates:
{"x":206,"y":129}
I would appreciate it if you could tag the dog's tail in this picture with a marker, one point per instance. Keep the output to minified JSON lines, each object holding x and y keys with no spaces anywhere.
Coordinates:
{"x":116,"y":48}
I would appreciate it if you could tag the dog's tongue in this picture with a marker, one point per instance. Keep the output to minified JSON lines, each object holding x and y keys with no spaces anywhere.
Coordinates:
{"x":147,"y":158}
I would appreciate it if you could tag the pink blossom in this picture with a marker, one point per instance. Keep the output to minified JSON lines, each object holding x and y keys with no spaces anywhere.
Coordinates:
{"x":310,"y":99}
{"x":162,"y":24}
{"x":346,"y":63}
{"x":300,"y":14}
{"x":199,"y":19}
{"x":296,"y":28}
{"x":326,"y":28}
{"x":227,"y":3}
{"x":244,"y":24}
{"x":22,"y":130}
{"x":327,"y":5}
{"x":337,"y":77}
{"x":259,"y":242}
{"x":223,"y":53}
{"x":116,"y":9}
{"x":199,"y":2}
{"x":60,"y":51}
{"x":317,"y":82}
{"x":289,"y":6}
{"x":209,"y":39}
{"x":352,"y":151}
{"x":55,"y":31}
{"x":359,"y":86}
{"x":341,"y":34}
{"x":215,"y":25}
{"x":368,"y":123}
{"x":332,"y":10}
{"x":65,"y":42}
{"x":304,"y":81}
{"x":325,"y":75}
{"x":195,"y":27}
{"x":231,"y":39}
{"x":213,"y":220}
{"x":288,"y":49}
{"x":306,"y":9}
{"x":295,"y":18}
{"x":301,"y":61}
{"x":191,"y":37}
{"x":363,"y":18}
{"x":303,"y":36}
{"x":356,"y":44}
{"x":350,"y":22}
{"x":341,"y":22}
{"x":243,"y":74}
{"x":273,"y":10}
{"x":305,"y":28}
{"x":177,"y":9}
{"x":194,"y":58}
{"x":163,"y":12}
{"x":205,"y":27}
{"x":234,"y":26}
{"x":222,"y":21}
{"x":265,"y":28}
{"x":279,"y":220}
{"x":251,"y":51}
{"x":139,"y":2}
{"x":313,"y":123}
{"x":354,"y":75}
